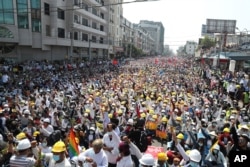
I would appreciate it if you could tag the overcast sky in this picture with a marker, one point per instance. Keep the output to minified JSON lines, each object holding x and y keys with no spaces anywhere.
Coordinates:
{"x":182,"y":19}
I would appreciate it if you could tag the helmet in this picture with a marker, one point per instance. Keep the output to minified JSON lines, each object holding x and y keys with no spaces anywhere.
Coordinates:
{"x":21,"y":136}
{"x":59,"y":147}
{"x":151,"y":111}
{"x":46,"y":120}
{"x":119,"y":112}
{"x":195,"y":155}
{"x":36,"y":133}
{"x":143,"y":115}
{"x":162,"y":156}
{"x":226,"y":130}
{"x":164,"y":119}
{"x":147,"y":159}
{"x":154,"y":116}
{"x":180,"y":136}
{"x":26,"y":112}
{"x":110,"y":115}
{"x":178,"y":118}
{"x":23,"y":144}
{"x":130,"y":122}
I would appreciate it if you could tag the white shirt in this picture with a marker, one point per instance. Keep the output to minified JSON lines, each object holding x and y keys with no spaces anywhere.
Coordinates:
{"x":125,"y":162}
{"x":100,"y":158}
{"x":52,"y":163}
{"x":112,"y":156}
{"x":47,"y":131}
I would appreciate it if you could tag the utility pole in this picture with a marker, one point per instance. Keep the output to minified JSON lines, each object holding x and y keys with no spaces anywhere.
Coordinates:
{"x":130,"y":49}
{"x":71,"y":46}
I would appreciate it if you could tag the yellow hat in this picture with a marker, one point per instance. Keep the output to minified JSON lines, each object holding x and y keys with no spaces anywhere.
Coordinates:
{"x":180,"y":136}
{"x":87,"y":111}
{"x":110,"y":115}
{"x":226,"y":130}
{"x":36,"y":133}
{"x":154,"y":116}
{"x":58,"y":147}
{"x":178,"y":119}
{"x":123,"y":102}
{"x":151,"y":111}
{"x":119,"y":111}
{"x":21,"y":136}
{"x":143,"y":115}
{"x":164,"y":119}
{"x":162,"y":156}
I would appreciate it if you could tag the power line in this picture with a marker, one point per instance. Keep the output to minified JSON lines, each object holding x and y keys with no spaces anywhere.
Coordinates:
{"x":15,"y":10}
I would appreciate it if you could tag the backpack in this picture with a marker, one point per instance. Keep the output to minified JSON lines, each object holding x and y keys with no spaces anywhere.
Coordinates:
{"x":143,"y":142}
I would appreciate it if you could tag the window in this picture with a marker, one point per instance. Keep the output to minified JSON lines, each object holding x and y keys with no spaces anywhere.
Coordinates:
{"x":60,"y":13}
{"x":48,"y":30}
{"x":101,"y":40}
{"x":94,"y":11}
{"x":76,"y":2}
{"x":22,"y":14}
{"x":61,"y":33}
{"x":46,"y":9}
{"x":85,"y":6}
{"x":101,"y":27}
{"x":85,"y":22}
{"x":94,"y":25}
{"x":36,"y":25}
{"x":36,"y":15}
{"x":85,"y":37}
{"x":93,"y":38}
{"x":102,"y":15}
{"x":6,"y":12}
{"x":75,"y":35}
{"x":76,"y":20}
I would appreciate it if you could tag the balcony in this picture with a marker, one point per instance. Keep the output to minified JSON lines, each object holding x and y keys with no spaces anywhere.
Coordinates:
{"x":90,"y":15}
{"x":89,"y":29}
{"x":96,"y":3}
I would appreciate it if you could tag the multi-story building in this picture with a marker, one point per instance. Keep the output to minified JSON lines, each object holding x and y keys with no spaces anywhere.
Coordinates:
{"x":115,"y":15}
{"x":45,"y":29}
{"x":143,"y":40}
{"x":156,"y":30}
{"x":190,"y":47}
{"x":128,"y":36}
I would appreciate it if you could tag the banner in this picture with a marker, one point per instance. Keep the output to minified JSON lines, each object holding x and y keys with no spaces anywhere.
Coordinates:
{"x":153,"y":150}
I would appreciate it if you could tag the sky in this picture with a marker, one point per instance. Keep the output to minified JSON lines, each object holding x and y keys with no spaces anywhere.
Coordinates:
{"x":183,"y":19}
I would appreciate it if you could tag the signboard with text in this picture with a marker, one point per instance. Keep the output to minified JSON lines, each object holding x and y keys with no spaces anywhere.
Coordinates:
{"x":153,"y":150}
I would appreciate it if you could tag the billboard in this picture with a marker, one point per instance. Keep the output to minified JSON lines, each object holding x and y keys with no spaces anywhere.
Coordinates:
{"x":221,"y":26}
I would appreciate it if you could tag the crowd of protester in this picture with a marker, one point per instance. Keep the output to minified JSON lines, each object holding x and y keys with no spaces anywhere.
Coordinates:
{"x":110,"y":114}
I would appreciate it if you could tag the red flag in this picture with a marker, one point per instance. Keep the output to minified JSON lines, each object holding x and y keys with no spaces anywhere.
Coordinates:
{"x":114,"y":62}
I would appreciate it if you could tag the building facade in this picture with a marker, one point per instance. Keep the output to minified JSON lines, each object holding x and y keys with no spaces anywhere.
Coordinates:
{"x":190,"y":47}
{"x":115,"y":35}
{"x":52,"y":30}
{"x":156,"y":30}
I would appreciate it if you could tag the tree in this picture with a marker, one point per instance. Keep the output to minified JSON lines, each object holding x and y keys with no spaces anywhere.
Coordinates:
{"x":207,"y":43}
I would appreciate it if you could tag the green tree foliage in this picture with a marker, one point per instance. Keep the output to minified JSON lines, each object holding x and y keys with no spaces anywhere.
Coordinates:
{"x":207,"y":43}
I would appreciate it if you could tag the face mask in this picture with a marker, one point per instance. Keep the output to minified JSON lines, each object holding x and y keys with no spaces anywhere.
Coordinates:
{"x":91,"y":132}
{"x":44,"y":144}
{"x":56,"y":158}
{"x":200,"y":144}
{"x":215,"y":151}
{"x":193,"y":164}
